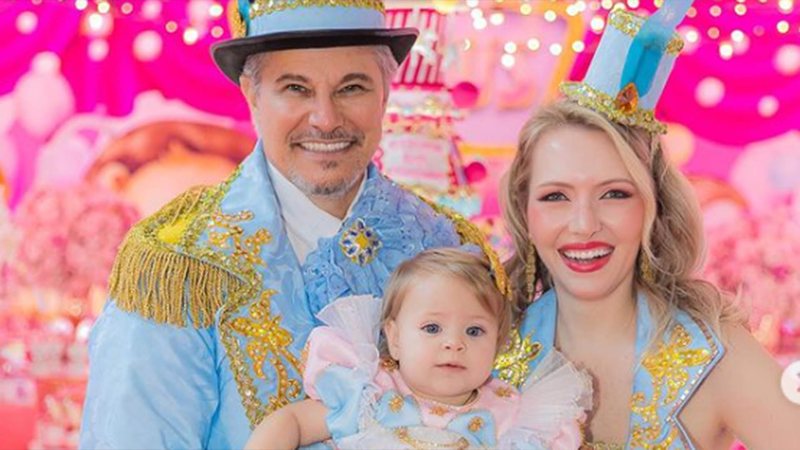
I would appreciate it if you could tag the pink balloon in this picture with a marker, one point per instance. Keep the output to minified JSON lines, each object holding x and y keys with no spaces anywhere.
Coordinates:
{"x":43,"y":98}
{"x":465,"y":94}
{"x":475,"y":172}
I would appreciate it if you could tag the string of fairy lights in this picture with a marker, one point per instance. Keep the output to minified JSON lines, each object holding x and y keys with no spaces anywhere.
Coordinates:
{"x":207,"y":17}
{"x":732,"y":32}
{"x":730,"y":42}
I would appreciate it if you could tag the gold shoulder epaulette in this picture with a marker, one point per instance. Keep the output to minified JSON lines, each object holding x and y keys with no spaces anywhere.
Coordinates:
{"x":155,"y":273}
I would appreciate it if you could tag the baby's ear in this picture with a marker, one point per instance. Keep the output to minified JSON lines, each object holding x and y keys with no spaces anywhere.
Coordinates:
{"x":390,"y":333}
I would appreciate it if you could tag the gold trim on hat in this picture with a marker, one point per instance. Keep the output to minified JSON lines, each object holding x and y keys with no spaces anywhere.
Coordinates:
{"x":262,"y":7}
{"x":235,"y":22}
{"x":601,"y":102}
{"x":630,"y":24}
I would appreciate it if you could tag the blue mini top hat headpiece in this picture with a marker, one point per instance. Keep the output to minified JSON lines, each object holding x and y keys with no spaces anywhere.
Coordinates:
{"x":268,"y":25}
{"x":631,"y":65}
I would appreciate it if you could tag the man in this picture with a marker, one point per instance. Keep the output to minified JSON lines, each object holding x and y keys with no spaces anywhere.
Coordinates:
{"x":212,"y":298}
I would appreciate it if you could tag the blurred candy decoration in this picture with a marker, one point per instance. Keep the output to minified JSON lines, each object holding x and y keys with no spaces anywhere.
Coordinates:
{"x":493,"y":228}
{"x":756,"y":256}
{"x":27,"y":22}
{"x":420,"y":146}
{"x":97,"y":25}
{"x":98,"y":49}
{"x":768,"y":106}
{"x":70,"y":237}
{"x":151,"y":9}
{"x":678,"y":144}
{"x":796,"y":205}
{"x":3,"y":188}
{"x":9,"y":235}
{"x":446,"y":6}
{"x":720,"y":202}
{"x":42,"y":97}
{"x":787,"y":59}
{"x":767,"y":173}
{"x":709,"y":92}
{"x":76,"y":148}
{"x":710,"y":190}
{"x":147,"y":45}
{"x":9,"y":241}
{"x":198,"y":13}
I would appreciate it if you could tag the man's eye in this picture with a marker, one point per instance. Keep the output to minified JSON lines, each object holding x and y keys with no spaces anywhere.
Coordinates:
{"x":352,"y":88}
{"x":431,"y":328}
{"x":475,"y":331}
{"x":296,"y":88}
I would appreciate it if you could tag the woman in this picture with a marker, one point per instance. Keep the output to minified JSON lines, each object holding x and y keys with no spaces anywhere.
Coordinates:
{"x":610,"y":232}
{"x":611,"y":235}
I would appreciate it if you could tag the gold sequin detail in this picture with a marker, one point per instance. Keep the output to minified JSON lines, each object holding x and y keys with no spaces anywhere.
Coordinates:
{"x":630,"y":24}
{"x":268,"y":341}
{"x":512,"y":365}
{"x":396,"y":403}
{"x":438,"y":410}
{"x":360,"y":243}
{"x":667,"y":367}
{"x":235,"y":22}
{"x":503,"y":392}
{"x":404,"y":436}
{"x":603,"y":103}
{"x":475,"y":424}
{"x":601,"y":446}
{"x":262,"y":7}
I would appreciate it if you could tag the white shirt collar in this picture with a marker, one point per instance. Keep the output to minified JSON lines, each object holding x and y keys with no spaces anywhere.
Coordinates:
{"x":305,"y":222}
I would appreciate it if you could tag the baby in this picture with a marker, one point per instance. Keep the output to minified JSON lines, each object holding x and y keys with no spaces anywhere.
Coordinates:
{"x":430,"y":385}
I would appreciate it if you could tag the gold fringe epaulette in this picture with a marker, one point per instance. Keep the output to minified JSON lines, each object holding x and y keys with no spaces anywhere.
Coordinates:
{"x":159,"y":273}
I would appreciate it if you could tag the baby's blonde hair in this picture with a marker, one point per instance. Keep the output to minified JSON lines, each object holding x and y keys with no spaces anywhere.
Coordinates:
{"x":471,"y":269}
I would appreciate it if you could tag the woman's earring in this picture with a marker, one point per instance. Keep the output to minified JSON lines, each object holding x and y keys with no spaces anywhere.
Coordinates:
{"x":530,"y":272}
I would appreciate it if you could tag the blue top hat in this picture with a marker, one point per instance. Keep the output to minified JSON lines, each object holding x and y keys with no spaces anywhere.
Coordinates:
{"x":269,"y":25}
{"x":631,"y":65}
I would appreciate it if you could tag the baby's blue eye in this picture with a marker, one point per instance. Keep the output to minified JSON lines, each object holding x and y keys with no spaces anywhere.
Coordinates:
{"x":475,"y":331}
{"x":431,"y":328}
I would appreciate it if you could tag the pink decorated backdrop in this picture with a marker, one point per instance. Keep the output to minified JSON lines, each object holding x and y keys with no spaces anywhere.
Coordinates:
{"x":109,"y":108}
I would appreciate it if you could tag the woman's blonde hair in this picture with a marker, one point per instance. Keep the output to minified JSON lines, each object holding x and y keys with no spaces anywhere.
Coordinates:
{"x":672,"y":236}
{"x":466,"y":267}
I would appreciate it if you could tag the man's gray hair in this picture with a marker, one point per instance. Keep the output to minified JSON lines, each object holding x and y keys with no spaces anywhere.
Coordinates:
{"x":386,"y":63}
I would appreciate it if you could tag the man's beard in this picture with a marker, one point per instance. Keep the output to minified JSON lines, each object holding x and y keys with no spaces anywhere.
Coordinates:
{"x":333,"y":189}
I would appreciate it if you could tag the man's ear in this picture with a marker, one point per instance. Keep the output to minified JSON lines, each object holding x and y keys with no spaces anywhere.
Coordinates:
{"x":248,"y":91}
{"x":390,"y":331}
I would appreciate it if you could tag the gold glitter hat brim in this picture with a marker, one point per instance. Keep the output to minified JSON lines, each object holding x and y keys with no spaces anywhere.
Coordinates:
{"x":595,"y":99}
{"x":231,"y":55}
